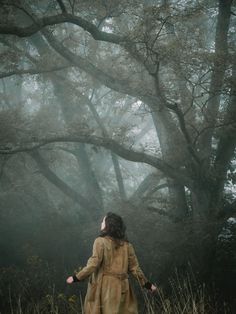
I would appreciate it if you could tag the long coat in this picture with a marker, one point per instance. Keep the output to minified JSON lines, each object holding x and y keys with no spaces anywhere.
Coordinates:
{"x":109,"y":290}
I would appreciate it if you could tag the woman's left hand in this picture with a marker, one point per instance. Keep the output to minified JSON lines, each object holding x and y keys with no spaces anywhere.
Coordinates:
{"x":153,"y":288}
{"x":70,"y":280}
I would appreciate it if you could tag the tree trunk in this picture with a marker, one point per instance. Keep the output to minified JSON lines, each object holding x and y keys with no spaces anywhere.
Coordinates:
{"x":217,"y":78}
{"x":200,"y":200}
{"x":179,"y":207}
{"x":176,"y":191}
{"x":115,"y":160}
{"x":119,"y":177}
{"x":92,"y":189}
{"x":61,"y":185}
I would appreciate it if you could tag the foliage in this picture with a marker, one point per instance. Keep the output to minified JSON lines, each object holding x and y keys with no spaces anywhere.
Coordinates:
{"x":122,"y":105}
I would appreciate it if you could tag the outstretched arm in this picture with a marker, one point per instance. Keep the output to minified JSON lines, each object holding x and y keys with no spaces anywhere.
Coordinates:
{"x":93,"y":262}
{"x":137,"y":272}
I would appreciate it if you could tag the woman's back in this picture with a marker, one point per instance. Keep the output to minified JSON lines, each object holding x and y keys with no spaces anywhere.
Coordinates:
{"x":116,"y":295}
{"x":115,"y":256}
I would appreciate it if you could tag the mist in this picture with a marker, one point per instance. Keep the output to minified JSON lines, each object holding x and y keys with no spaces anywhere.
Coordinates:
{"x":125,"y":107}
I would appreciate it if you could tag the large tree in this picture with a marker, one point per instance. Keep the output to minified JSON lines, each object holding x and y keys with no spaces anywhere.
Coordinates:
{"x":170,"y":62}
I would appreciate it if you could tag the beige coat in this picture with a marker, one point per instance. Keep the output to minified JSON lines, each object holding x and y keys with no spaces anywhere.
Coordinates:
{"x":109,"y":290}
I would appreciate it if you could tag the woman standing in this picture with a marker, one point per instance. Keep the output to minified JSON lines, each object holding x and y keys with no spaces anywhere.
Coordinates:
{"x":113,"y":258}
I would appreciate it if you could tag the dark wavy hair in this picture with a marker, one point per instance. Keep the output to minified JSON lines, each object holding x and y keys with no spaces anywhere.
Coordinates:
{"x":114,"y":227}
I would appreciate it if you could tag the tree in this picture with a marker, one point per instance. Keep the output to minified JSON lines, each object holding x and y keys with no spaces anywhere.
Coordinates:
{"x":164,"y":57}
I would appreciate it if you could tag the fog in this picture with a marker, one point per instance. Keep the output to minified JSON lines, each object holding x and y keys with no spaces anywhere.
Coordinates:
{"x":125,"y":107}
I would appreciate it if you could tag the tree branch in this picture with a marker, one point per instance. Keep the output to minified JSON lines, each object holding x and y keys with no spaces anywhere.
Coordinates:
{"x":14,"y":47}
{"x":40,"y":23}
{"x":33,"y":71}
{"x":116,"y":84}
{"x":122,"y":86}
{"x":115,"y":161}
{"x":109,"y":144}
{"x":148,"y":182}
{"x":55,"y":180}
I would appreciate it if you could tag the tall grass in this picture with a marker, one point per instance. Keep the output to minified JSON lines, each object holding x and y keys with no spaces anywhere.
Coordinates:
{"x":54,"y":303}
{"x":184,"y":297}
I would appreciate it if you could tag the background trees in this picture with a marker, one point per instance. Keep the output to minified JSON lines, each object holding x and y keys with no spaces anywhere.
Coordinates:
{"x":128,"y":105}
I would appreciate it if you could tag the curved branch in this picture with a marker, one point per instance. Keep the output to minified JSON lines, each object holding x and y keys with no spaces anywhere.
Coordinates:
{"x":111,"y":145}
{"x":40,"y":23}
{"x":116,"y":84}
{"x":60,"y":184}
{"x":122,"y":86}
{"x":33,"y":71}
{"x":149,"y":182}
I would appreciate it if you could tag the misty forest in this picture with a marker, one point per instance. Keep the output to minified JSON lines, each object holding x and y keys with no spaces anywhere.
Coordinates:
{"x":122,"y":106}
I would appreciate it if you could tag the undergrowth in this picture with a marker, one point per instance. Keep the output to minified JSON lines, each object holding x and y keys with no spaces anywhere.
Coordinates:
{"x":185,"y":296}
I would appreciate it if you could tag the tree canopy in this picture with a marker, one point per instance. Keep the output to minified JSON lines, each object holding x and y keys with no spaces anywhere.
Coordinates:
{"x":169,"y":64}
{"x":121,"y":100}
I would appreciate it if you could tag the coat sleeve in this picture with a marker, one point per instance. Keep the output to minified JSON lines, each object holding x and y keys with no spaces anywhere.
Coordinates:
{"x":134,"y":267}
{"x":93,"y":262}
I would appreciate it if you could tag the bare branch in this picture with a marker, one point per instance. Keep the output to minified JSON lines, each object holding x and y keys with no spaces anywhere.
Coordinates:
{"x":54,"y":179}
{"x":33,"y":71}
{"x":149,"y":182}
{"x":110,"y":144}
{"x":122,"y":86}
{"x":40,"y":23}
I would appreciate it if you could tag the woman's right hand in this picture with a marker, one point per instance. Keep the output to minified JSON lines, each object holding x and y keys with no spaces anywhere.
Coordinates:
{"x":70,"y":280}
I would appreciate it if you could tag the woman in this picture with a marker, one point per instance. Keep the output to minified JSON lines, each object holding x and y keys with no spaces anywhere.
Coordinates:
{"x":109,"y":290}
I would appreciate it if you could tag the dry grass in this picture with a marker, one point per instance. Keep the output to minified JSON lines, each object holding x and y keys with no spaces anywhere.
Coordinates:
{"x":186,"y":297}
{"x":50,"y":304}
